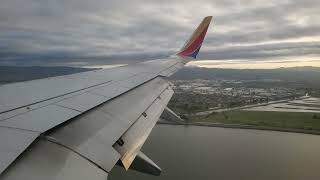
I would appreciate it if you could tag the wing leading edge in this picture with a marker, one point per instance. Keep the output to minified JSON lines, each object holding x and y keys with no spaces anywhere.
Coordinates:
{"x":99,"y":119}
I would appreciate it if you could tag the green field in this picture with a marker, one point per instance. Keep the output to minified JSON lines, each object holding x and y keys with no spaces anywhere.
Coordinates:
{"x":286,"y":120}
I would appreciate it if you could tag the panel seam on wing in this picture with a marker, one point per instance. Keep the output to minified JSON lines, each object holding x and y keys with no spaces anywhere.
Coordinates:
{"x":9,"y":127}
{"x":54,"y":97}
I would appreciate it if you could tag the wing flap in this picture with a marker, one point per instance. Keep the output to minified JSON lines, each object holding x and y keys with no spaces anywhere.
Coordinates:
{"x":50,"y":161}
{"x":94,"y":133}
{"x":136,"y":135}
{"x":13,"y":143}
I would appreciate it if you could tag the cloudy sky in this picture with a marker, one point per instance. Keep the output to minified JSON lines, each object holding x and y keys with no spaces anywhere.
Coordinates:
{"x":244,"y":33}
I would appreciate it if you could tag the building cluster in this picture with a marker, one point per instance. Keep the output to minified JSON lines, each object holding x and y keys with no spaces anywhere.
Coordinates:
{"x":240,"y":92}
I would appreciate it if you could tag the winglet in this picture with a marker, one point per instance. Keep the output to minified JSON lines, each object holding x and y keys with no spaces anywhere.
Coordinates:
{"x":193,"y":45}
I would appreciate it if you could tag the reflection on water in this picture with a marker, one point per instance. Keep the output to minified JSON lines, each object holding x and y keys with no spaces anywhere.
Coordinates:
{"x":191,"y":152}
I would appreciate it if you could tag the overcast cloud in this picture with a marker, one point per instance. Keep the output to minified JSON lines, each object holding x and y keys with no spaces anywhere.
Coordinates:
{"x":81,"y":32}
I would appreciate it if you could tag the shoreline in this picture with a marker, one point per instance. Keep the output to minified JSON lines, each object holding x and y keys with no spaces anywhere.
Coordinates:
{"x":240,"y":126}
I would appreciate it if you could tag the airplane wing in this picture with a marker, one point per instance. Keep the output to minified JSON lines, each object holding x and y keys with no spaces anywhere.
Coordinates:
{"x":79,"y":126}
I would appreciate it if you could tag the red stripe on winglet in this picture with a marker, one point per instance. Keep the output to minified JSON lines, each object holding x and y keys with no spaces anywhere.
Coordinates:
{"x":195,"y":45}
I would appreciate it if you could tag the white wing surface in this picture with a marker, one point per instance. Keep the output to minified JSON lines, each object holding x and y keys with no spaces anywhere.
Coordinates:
{"x":79,"y":126}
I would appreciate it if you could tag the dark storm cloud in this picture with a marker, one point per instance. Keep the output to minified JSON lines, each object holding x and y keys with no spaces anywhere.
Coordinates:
{"x":99,"y":31}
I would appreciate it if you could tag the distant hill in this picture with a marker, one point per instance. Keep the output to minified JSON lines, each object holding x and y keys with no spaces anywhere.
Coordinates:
{"x":250,"y":74}
{"x":300,"y":74}
{"x":305,"y":76}
{"x":10,"y":74}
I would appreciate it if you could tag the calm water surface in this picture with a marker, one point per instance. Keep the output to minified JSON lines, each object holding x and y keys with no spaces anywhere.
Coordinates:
{"x":191,"y":152}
